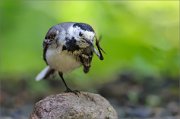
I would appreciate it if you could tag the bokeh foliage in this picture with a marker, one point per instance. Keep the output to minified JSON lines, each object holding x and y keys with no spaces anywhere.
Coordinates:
{"x":142,"y":36}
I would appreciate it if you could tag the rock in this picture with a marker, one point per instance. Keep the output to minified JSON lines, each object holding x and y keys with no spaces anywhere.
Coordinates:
{"x":70,"y":106}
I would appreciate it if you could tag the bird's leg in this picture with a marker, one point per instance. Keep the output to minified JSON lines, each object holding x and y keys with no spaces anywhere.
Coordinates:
{"x":67,"y":88}
{"x":99,"y":49}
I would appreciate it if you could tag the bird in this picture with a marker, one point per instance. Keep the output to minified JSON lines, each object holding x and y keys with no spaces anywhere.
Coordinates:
{"x":67,"y":46}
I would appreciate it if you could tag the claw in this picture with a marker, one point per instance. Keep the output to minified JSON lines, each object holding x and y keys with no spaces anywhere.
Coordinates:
{"x":68,"y":90}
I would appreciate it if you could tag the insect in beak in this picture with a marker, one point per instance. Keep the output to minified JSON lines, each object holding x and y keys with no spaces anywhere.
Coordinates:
{"x":99,"y":48}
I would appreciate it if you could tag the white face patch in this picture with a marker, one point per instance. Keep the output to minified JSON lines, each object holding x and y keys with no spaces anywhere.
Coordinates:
{"x":61,"y":37}
{"x":88,"y":35}
{"x":75,"y":31}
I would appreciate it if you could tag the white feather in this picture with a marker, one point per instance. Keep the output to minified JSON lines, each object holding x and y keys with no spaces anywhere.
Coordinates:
{"x":42,"y":74}
{"x":61,"y":60}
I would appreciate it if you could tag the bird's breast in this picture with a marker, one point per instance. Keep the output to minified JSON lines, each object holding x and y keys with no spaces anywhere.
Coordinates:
{"x":62,"y":61}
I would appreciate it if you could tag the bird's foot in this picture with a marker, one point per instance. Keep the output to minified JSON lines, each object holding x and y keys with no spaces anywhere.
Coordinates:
{"x":68,"y":90}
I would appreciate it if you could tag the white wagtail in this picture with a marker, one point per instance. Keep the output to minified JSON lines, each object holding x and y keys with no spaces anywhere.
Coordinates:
{"x":66,"y":47}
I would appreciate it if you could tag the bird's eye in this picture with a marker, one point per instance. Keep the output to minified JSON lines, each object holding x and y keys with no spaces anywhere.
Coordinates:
{"x":80,"y":34}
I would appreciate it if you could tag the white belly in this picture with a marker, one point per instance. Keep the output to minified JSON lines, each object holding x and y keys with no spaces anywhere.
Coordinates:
{"x":61,"y":61}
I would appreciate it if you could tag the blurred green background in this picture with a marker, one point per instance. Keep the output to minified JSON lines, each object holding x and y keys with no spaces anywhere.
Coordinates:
{"x":138,"y":36}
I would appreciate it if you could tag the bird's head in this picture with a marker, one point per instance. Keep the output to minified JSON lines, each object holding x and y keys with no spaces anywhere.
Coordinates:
{"x":82,"y":31}
{"x":60,"y":34}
